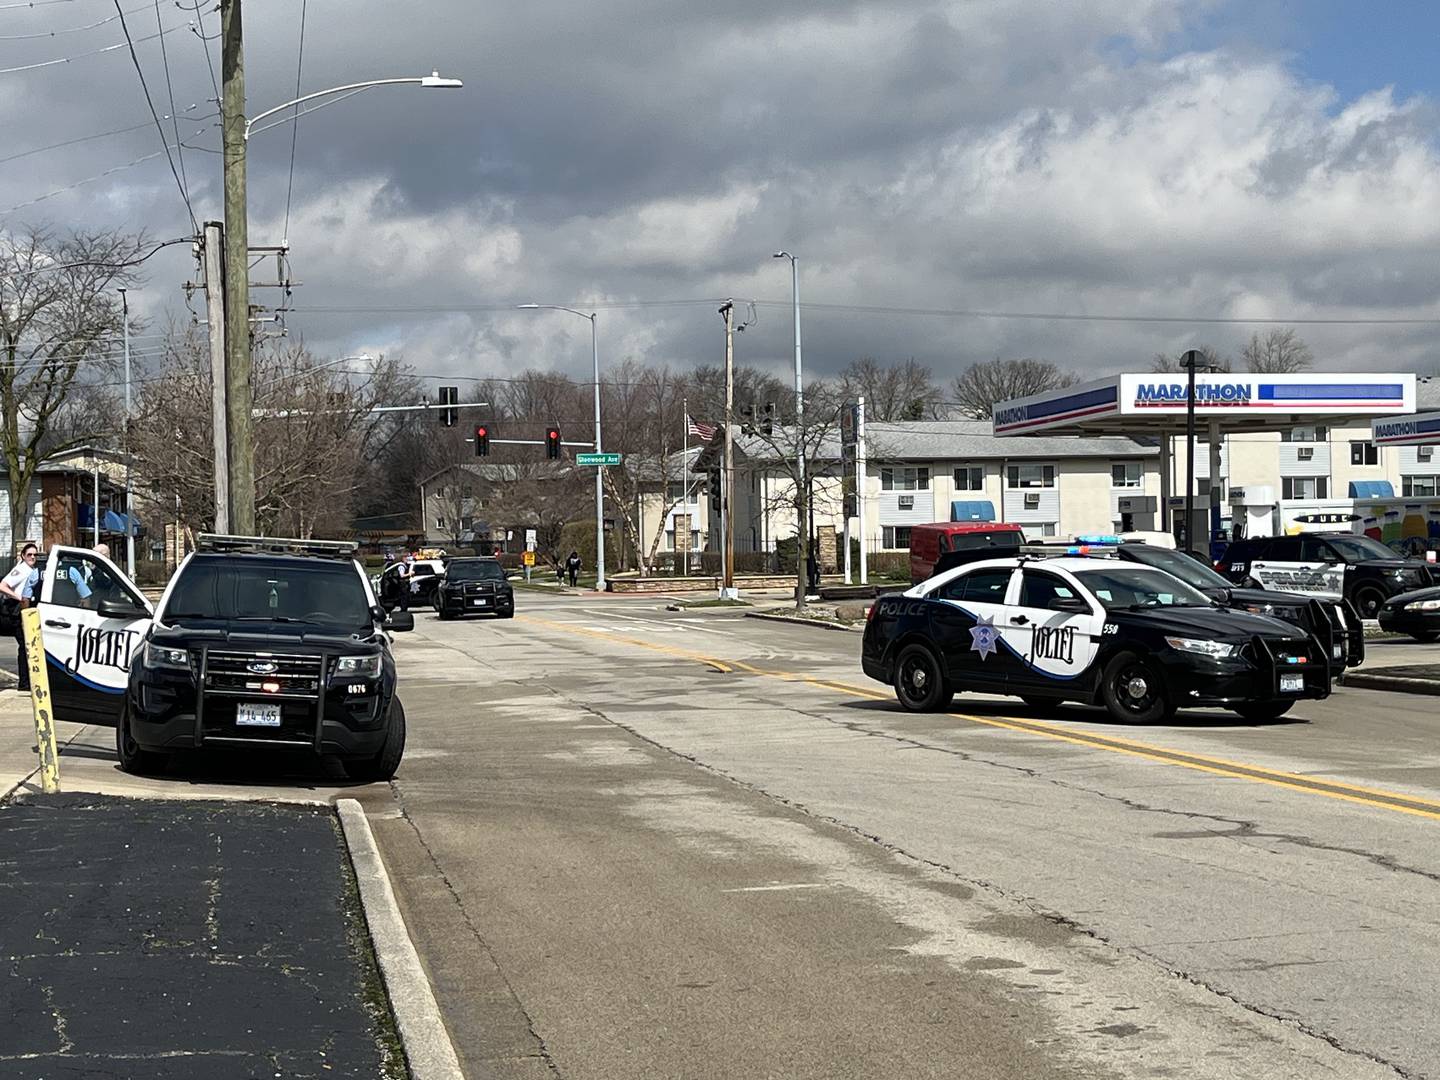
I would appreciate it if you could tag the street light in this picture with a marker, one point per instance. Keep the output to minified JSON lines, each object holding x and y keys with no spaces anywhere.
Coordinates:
{"x":433,"y":81}
{"x":599,"y":482}
{"x":801,"y":531}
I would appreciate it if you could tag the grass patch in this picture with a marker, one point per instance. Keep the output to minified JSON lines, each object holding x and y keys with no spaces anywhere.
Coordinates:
{"x":688,"y":604}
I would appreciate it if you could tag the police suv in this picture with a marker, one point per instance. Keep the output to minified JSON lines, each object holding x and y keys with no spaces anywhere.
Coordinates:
{"x":1363,"y":571}
{"x":1132,"y":638}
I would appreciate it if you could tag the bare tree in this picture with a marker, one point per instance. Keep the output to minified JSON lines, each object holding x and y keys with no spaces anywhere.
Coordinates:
{"x":59,"y":319}
{"x":977,"y":390}
{"x":1210,"y":360}
{"x":1278,"y":351}
{"x":904,"y":391}
{"x":313,"y":428}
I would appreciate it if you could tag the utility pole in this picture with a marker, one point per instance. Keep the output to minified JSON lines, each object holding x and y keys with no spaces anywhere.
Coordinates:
{"x":727,"y":500}
{"x":214,"y":253}
{"x":239,"y":393}
{"x":804,"y":531}
{"x":125,"y":443}
{"x":1190,"y":361}
{"x":860,"y":485}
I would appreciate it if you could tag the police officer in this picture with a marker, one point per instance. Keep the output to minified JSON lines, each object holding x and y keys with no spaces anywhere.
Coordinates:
{"x":19,"y":585}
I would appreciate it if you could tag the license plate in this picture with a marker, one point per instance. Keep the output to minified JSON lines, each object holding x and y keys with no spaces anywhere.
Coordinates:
{"x":257,"y":715}
{"x":480,"y":603}
{"x":1292,"y":684}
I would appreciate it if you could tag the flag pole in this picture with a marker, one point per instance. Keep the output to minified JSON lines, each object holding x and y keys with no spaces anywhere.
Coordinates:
{"x":685,"y":464}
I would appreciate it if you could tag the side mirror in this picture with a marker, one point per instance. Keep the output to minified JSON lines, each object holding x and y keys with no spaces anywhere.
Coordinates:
{"x":1075,"y":605}
{"x":400,"y":621}
{"x":120,"y":609}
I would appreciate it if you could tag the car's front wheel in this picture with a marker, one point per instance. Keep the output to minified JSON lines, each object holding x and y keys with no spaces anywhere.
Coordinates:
{"x":920,"y":684}
{"x":133,"y":759}
{"x":1368,"y":601}
{"x":382,"y":766}
{"x":1133,"y":692}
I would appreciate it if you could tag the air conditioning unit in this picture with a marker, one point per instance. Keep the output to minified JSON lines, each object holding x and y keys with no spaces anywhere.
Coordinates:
{"x":1305,"y":453}
{"x":907,"y":502}
{"x":1032,"y":502}
{"x":1424,"y":453}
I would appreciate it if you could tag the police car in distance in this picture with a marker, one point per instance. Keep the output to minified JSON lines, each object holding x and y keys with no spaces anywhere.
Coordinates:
{"x":1363,"y":571}
{"x":1132,"y":638}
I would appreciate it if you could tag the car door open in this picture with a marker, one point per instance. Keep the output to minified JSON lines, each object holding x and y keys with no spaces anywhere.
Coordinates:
{"x":92,"y":620}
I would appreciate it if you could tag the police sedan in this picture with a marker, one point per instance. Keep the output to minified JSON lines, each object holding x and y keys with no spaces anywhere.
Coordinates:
{"x":1132,"y":638}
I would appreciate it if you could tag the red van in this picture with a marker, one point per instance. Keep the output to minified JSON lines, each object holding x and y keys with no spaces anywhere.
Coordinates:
{"x":930,"y":543}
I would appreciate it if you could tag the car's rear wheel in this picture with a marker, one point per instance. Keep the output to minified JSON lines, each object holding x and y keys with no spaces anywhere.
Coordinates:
{"x":1368,"y":600}
{"x":1133,"y":691}
{"x":133,"y":759}
{"x":1425,"y":637}
{"x":382,"y":766}
{"x":1259,"y":712}
{"x":920,"y":684}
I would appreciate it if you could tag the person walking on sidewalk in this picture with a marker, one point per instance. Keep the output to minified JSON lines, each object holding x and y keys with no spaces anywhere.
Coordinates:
{"x":572,"y":567}
{"x":18,"y":587}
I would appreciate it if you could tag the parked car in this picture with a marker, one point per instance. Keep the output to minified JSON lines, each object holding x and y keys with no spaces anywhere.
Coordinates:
{"x":930,"y":544}
{"x":1415,"y":613}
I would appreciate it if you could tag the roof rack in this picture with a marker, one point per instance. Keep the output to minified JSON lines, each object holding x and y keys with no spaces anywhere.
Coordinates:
{"x":274,"y":545}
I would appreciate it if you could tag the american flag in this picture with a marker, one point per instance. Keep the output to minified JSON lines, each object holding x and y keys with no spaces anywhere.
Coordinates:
{"x":705,"y":432}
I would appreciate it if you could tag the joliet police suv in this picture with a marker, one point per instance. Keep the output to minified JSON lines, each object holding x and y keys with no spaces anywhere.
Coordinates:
{"x":1132,"y":638}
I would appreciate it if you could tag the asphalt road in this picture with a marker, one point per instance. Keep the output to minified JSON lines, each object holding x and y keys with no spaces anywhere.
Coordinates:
{"x":648,"y":844}
{"x":637,"y":843}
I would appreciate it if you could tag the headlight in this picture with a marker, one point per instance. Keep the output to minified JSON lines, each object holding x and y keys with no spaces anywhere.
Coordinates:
{"x":1263,"y":609}
{"x":363,"y":666}
{"x":1423,"y":605}
{"x":162,"y":656}
{"x":1216,"y":650}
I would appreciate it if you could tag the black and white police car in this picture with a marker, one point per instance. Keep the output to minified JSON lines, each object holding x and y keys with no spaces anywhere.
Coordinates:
{"x":1132,"y":638}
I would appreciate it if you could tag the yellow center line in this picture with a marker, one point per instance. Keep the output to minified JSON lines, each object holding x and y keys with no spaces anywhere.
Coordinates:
{"x":1185,"y":759}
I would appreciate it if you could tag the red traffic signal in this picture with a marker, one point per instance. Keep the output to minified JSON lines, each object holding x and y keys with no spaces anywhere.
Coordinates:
{"x":552,"y":442}
{"x":482,"y":440}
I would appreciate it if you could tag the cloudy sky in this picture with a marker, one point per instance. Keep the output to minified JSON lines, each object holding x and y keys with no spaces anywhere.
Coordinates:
{"x":926,"y":160}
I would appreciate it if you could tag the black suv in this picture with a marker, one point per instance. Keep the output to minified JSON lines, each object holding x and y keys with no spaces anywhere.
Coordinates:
{"x":271,"y":644}
{"x":474,"y":587}
{"x":1363,"y":571}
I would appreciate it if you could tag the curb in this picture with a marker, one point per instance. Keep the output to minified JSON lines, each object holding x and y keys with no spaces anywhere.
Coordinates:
{"x":1396,"y":683}
{"x":428,"y":1049}
{"x":823,"y":624}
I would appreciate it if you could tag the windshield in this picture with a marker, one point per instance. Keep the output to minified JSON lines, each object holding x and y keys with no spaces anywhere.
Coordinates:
{"x":478,"y":570}
{"x":1360,"y":548}
{"x":270,"y":590}
{"x":1133,"y":587}
{"x":1191,"y":571}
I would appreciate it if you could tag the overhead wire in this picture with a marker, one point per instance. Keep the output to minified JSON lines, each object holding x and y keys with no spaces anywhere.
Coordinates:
{"x":295,"y":123}
{"x":95,"y":52}
{"x":175,"y":122}
{"x":205,"y":43}
{"x":135,"y":59}
{"x":34,"y":4}
{"x":68,"y":30}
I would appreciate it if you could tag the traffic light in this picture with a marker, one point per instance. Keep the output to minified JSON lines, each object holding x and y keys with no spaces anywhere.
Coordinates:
{"x":552,"y":442}
{"x":482,"y":440}
{"x":449,"y":395}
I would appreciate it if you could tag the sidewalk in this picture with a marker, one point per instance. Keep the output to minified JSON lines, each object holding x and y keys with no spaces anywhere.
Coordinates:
{"x":164,"y":939}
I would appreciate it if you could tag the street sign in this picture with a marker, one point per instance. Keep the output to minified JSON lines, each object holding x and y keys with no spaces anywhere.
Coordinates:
{"x":597,"y":459}
{"x":528,"y":558}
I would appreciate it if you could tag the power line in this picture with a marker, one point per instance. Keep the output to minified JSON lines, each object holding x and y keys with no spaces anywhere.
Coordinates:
{"x":184,"y":194}
{"x":34,"y":4}
{"x":97,"y":135}
{"x":68,"y":30}
{"x":175,"y":122}
{"x":295,"y":124}
{"x":94,"y":52}
{"x":205,"y":43}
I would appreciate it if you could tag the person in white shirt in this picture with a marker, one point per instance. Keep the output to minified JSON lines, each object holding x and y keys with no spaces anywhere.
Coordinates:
{"x":19,"y":586}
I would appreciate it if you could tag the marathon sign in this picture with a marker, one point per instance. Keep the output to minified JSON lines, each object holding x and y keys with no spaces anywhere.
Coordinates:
{"x":1206,"y":393}
{"x":1412,"y":430}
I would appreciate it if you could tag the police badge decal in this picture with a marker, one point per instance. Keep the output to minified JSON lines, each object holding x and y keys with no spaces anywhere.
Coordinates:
{"x":983,"y":636}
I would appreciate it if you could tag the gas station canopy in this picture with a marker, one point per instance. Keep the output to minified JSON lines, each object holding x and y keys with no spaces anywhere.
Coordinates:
{"x":1413,"y":430}
{"x":1154,"y":404}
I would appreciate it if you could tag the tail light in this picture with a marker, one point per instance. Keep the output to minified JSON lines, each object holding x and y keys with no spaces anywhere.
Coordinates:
{"x":870,"y":611}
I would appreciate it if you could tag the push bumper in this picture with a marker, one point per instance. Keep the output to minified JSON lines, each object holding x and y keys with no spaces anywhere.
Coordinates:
{"x":1257,"y":675}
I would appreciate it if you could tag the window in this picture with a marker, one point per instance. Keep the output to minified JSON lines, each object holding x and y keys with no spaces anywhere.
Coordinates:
{"x":1049,"y":528}
{"x":1127,"y":474}
{"x":970,"y":478}
{"x":1363,"y":452}
{"x":981,"y":586}
{"x":675,"y":491}
{"x":1313,"y":549}
{"x":1305,"y":434}
{"x":1039,"y":590}
{"x":1305,"y":487}
{"x":1419,"y":486}
{"x":895,"y":537}
{"x":1030,"y":476}
{"x":82,"y":581}
{"x":1282,"y":549}
{"x":906,"y":479}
